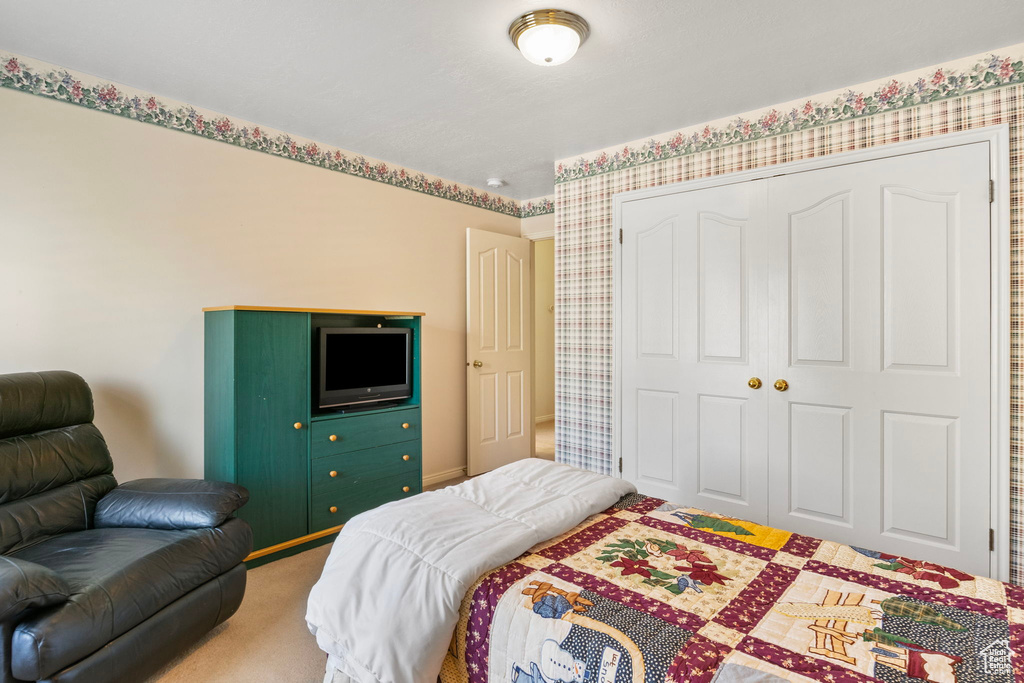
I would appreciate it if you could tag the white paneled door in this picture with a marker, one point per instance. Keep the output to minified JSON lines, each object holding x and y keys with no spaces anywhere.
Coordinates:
{"x":880,"y":326}
{"x":813,"y":351}
{"x":498,"y":348}
{"x":694,"y":335}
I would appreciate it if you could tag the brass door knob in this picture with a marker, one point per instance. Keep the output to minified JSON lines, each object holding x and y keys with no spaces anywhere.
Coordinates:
{"x":405,"y":457}
{"x":333,"y":437}
{"x":334,"y":473}
{"x":297,"y":425}
{"x":781,"y":385}
{"x":333,"y":509}
{"x":754,"y":382}
{"x":477,"y":364}
{"x":405,"y":425}
{"x":405,"y":489}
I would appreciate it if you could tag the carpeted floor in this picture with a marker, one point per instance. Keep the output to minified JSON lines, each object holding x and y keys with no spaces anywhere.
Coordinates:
{"x":545,"y":437}
{"x":267,"y":638}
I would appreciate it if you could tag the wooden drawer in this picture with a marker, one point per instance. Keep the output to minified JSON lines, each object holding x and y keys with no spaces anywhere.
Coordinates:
{"x":351,"y":500}
{"x":353,"y":469}
{"x":358,"y":432}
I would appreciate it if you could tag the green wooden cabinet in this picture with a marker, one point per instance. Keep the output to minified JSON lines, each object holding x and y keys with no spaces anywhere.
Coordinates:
{"x":364,"y":430}
{"x":262,"y":429}
{"x":335,"y":474}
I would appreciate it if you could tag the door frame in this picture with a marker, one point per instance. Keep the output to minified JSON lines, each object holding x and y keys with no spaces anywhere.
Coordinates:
{"x":998,"y":138}
{"x":534,"y":237}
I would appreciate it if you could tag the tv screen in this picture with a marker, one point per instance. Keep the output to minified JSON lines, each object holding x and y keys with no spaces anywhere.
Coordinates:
{"x":364,"y":365}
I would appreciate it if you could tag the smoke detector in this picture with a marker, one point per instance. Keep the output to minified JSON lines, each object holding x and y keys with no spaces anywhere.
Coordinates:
{"x":496,"y":183}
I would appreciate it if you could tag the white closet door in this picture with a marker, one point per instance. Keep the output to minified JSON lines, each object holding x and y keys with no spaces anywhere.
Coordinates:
{"x":880,"y":324}
{"x":693,"y":333}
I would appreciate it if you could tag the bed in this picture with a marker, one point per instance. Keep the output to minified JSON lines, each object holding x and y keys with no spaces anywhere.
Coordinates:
{"x":644,"y":590}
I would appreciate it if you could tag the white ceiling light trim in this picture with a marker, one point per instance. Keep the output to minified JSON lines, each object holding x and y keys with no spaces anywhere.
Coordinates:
{"x":549,"y":37}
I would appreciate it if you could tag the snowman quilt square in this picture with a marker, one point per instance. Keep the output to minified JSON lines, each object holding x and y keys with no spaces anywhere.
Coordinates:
{"x":648,"y":592}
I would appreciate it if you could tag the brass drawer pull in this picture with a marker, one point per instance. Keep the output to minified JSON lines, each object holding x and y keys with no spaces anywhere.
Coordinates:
{"x":334,"y":473}
{"x":297,"y":425}
{"x":405,"y":457}
{"x":333,"y":437}
{"x":405,"y":425}
{"x":333,"y":509}
{"x":405,"y":489}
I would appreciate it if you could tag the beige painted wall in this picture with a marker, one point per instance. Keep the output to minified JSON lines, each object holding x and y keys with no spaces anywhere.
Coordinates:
{"x":544,"y":328}
{"x":114,"y":234}
{"x":539,"y":226}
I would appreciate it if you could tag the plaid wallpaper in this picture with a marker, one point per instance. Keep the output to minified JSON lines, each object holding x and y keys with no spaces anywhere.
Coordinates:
{"x":583,"y":260}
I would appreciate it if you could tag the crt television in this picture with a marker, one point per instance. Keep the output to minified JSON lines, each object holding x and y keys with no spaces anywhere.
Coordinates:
{"x":364,"y":365}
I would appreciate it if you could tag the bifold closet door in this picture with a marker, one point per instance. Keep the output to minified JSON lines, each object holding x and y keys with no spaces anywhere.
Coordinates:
{"x":880,"y":324}
{"x":694,"y":334}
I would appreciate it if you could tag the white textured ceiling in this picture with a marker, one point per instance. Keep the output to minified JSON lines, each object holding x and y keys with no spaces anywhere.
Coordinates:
{"x":435,"y":85}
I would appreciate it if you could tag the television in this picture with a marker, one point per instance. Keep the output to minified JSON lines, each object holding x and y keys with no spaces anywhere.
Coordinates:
{"x":363,"y":365}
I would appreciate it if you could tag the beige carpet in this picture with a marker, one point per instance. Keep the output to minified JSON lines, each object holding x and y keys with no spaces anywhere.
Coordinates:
{"x":545,"y":437}
{"x":267,"y":638}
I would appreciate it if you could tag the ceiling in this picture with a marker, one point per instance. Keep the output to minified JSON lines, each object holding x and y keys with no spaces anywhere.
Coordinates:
{"x":436,"y":86}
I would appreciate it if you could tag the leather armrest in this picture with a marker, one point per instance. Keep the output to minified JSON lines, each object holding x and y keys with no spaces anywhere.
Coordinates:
{"x":27,"y":585}
{"x":169,"y":504}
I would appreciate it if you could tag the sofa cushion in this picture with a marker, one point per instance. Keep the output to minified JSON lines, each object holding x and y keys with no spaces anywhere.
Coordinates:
{"x":169,"y":504}
{"x":38,"y":401}
{"x":58,"y":511}
{"x":34,"y":463}
{"x":25,"y":586}
{"x":54,"y":463}
{"x":118,"y":578}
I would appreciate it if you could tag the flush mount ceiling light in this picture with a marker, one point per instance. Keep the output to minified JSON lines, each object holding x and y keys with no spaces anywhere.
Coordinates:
{"x":549,"y":37}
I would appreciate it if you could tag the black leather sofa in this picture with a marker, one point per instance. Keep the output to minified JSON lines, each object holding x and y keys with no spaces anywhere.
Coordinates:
{"x":100,"y":582}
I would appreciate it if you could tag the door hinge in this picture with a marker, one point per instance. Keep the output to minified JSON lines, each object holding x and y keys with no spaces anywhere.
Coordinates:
{"x":620,"y":465}
{"x":620,"y":235}
{"x":991,"y":539}
{"x":991,"y":191}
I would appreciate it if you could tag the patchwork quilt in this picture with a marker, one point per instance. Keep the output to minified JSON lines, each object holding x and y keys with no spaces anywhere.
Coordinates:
{"x":648,"y":591}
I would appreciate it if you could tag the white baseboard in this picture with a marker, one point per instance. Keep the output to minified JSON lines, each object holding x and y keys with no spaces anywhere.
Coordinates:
{"x":543,"y":418}
{"x":444,"y":476}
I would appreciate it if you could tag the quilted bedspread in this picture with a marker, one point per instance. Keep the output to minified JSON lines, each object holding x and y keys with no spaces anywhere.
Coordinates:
{"x":649,"y":591}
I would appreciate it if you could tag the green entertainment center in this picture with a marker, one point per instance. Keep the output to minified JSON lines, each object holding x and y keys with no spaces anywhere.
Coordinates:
{"x":308,"y":469}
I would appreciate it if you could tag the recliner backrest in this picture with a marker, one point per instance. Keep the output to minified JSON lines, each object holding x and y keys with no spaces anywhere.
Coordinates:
{"x":54,"y":463}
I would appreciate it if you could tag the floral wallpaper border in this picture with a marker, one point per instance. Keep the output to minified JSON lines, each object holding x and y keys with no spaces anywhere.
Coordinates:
{"x":39,"y":78}
{"x":907,"y":90}
{"x":541,"y":206}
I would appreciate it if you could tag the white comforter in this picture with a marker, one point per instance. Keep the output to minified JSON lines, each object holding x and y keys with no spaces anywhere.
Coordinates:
{"x":388,"y":600}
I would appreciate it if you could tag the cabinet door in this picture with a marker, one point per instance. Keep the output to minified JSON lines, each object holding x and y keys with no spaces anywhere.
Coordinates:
{"x":271,"y":396}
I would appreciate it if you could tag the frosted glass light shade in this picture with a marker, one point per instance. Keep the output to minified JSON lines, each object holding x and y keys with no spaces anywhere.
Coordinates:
{"x":549,"y":44}
{"x":549,"y":37}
